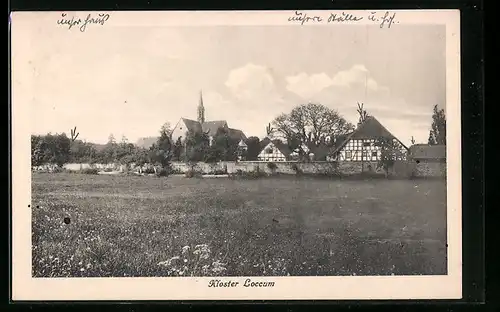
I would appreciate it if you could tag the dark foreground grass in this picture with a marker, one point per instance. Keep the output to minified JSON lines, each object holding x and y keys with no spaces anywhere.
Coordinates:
{"x":147,"y":226}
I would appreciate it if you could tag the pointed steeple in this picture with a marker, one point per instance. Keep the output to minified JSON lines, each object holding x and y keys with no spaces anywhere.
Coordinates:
{"x":201,"y":110}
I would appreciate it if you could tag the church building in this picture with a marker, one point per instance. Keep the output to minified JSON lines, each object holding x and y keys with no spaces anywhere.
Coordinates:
{"x":184,"y":125}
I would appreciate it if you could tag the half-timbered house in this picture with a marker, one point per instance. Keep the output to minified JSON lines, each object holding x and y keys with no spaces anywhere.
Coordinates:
{"x":367,"y":142}
{"x":274,"y":150}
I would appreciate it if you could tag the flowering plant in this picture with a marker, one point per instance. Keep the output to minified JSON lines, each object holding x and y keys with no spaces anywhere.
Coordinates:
{"x":195,"y":261}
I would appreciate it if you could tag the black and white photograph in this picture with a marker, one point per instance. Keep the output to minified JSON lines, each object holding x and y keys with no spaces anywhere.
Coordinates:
{"x":237,"y":153}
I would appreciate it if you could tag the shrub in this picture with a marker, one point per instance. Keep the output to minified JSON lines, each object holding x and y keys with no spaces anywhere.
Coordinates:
{"x":272,"y":166}
{"x":297,"y":170}
{"x":89,"y":171}
{"x":149,"y":170}
{"x":248,"y":175}
{"x":162,"y":172}
{"x":218,"y":172}
{"x":108,"y":170}
{"x":192,"y":174}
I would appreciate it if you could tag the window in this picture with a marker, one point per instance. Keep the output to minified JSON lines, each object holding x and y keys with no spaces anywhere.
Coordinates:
{"x":374,"y":154}
{"x":366,"y":144}
{"x":269,"y":151}
{"x":365,"y":154}
{"x":348,"y":155}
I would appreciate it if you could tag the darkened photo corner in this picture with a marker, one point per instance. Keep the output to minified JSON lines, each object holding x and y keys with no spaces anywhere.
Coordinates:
{"x":239,"y":151}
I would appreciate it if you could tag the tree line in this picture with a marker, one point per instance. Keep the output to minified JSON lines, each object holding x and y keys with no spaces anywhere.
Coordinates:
{"x":60,"y":149}
{"x":306,"y":126}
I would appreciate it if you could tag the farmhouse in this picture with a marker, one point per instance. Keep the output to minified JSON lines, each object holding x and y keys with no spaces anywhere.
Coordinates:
{"x":429,"y":160}
{"x":361,"y":144}
{"x":273,"y":150}
{"x":185,"y":125}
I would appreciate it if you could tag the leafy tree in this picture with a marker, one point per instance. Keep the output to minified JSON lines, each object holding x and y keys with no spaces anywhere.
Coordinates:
{"x":224,"y":147}
{"x":111,"y":139}
{"x":437,"y":134}
{"x":162,"y":151}
{"x":141,"y":156}
{"x":178,"y":149}
{"x":196,"y":146}
{"x":82,"y":152}
{"x":390,"y":151}
{"x":253,"y":148}
{"x":311,"y":125}
{"x":50,"y":149}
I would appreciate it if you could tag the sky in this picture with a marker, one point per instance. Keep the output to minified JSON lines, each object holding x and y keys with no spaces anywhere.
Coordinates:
{"x":129,"y":81}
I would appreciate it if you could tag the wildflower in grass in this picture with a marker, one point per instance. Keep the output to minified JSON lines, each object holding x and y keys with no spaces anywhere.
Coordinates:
{"x":218,"y":267}
{"x":185,"y":250}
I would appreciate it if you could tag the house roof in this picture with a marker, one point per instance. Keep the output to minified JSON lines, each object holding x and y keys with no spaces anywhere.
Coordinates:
{"x":282,"y":147}
{"x":236,"y":134}
{"x":371,"y":128}
{"x":264,"y":142}
{"x":211,"y":127}
{"x":425,"y":151}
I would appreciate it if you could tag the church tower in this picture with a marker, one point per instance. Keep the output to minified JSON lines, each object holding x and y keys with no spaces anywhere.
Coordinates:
{"x":201,"y":110}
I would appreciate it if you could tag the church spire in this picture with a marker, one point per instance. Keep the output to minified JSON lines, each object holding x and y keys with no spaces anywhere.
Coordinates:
{"x":201,"y":110}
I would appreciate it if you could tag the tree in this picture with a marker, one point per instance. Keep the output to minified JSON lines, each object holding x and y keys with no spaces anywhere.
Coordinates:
{"x":311,"y":125}
{"x":82,"y":152}
{"x":111,"y":139}
{"x":253,"y":148}
{"x":224,"y":147}
{"x":50,"y":149}
{"x":362,"y":113}
{"x":161,"y":152}
{"x":178,"y":149}
{"x":74,"y":134}
{"x":437,"y":134}
{"x":196,"y":146}
{"x":166,"y":128}
{"x":390,"y":151}
{"x":37,"y":150}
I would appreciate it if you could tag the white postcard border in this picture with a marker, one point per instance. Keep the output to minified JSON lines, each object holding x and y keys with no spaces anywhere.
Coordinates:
{"x":24,"y":287}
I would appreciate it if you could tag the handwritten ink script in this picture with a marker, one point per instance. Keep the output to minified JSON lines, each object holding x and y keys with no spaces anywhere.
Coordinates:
{"x":384,"y":19}
{"x":82,"y":24}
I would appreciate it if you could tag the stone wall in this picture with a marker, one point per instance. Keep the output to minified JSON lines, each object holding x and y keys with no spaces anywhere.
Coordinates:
{"x":433,"y":169}
{"x":402,"y":169}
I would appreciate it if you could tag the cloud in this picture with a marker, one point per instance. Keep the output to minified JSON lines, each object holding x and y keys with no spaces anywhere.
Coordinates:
{"x":355,"y":78}
{"x":251,"y":81}
{"x":306,"y":85}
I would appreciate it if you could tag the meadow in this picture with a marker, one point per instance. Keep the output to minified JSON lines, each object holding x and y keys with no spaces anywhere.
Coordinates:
{"x":98,"y":225}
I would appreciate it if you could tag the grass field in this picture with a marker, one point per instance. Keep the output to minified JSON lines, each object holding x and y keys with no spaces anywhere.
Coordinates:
{"x":148,"y":226}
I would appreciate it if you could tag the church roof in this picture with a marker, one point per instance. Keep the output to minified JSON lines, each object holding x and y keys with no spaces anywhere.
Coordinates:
{"x":192,"y":125}
{"x":211,"y":127}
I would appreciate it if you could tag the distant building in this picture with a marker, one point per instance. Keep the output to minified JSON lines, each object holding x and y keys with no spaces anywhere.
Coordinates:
{"x":427,"y":153}
{"x":360,"y":145}
{"x":429,"y":160}
{"x":273,"y":150}
{"x":185,"y":125}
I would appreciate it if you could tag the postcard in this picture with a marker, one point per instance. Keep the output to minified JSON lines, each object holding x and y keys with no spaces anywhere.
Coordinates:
{"x":236,"y":155}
